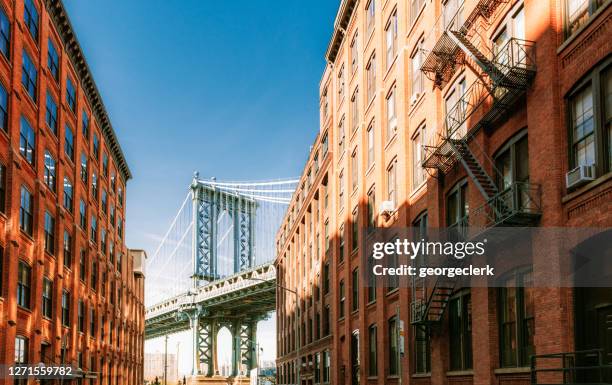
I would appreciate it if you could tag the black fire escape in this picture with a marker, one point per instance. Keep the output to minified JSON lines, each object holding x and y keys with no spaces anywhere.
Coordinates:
{"x":503,"y":76}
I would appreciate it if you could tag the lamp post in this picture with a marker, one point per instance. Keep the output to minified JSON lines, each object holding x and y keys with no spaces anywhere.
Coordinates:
{"x":297,"y":325}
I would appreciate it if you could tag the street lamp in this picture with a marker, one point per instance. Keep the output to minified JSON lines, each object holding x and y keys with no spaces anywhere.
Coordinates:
{"x":297,"y":324}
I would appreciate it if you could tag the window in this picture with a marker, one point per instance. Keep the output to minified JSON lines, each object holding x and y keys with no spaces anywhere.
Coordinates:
{"x":341,"y":135}
{"x":49,"y":172}
{"x":103,"y":241}
{"x":104,"y":201}
{"x":51,"y":114}
{"x":341,"y":243}
{"x":393,"y":347}
{"x":21,"y":350}
{"x":341,"y":299}
{"x":68,"y":194}
{"x":30,"y":18}
{"x":457,"y":208}
{"x":341,"y":82}
{"x":83,"y":214}
{"x":354,"y":170}
{"x":341,"y":190}
{"x":3,"y":107}
{"x":422,"y":350}
{"x":70,"y":94}
{"x":47,"y":298}
{"x":355,"y":290}
{"x":391,"y":114}
{"x":2,"y":188}
{"x":415,"y":9}
{"x":94,"y":185}
{"x":578,"y":13}
{"x":96,"y":146}
{"x":84,"y":168}
{"x":69,"y":142}
{"x":371,"y":77}
{"x":65,"y":308}
{"x":372,"y":351}
{"x":81,"y":316}
{"x":371,"y":280}
{"x":23,"y":285}
{"x":27,"y":139}
{"x":5,"y":34}
{"x":371,"y":144}
{"x":25,"y":211}
{"x":67,"y":249}
{"x":418,"y":174}
{"x":92,"y":322}
{"x":49,"y":233}
{"x":325,"y":102}
{"x":326,"y":366}
{"x":371,"y":208}
{"x":392,"y":182}
{"x":416,"y":60}
{"x":583,"y":130}
{"x":460,"y":331}
{"x":355,"y":229}
{"x":392,"y":262}
{"x":512,"y":166}
{"x":85,"y":125}
{"x":94,"y":274}
{"x":120,"y":228}
{"x":370,"y":14}
{"x":29,"y":75}
{"x":354,"y":52}
{"x":94,"y":229}
{"x":82,"y":272}
{"x":516,"y":320}
{"x":452,"y":14}
{"x":105,"y":164}
{"x":391,"y":39}
{"x":53,"y":60}
{"x":326,"y":278}
{"x":355,"y":110}
{"x":456,"y":109}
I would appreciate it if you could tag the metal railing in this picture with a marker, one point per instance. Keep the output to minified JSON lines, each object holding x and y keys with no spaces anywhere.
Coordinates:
{"x":580,"y":367}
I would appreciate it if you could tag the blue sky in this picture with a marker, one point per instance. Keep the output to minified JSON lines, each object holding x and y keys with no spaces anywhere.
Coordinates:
{"x":228,"y":88}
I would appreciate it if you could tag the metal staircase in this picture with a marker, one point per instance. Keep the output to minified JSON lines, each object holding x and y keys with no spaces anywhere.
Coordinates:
{"x":501,"y":80}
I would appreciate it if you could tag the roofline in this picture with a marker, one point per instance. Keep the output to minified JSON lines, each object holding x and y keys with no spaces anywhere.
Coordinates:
{"x":345,"y":11}
{"x":60,"y":19}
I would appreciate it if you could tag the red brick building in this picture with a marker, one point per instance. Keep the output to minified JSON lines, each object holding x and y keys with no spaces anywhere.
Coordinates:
{"x":448,"y":114}
{"x":70,"y":290}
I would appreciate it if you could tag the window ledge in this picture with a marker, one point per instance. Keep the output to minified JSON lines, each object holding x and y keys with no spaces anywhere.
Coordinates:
{"x":455,"y":373}
{"x":421,"y":375}
{"x":589,"y":186}
{"x":517,"y":370}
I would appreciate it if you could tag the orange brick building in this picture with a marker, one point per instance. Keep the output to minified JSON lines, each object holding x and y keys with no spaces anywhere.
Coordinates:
{"x":70,"y":290}
{"x":444,"y":114}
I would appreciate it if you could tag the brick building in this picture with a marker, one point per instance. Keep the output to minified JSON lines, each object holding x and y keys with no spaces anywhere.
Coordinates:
{"x":433,"y":114}
{"x":70,"y":290}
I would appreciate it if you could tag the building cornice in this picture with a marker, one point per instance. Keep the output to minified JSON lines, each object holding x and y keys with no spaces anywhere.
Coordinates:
{"x":60,"y":19}
{"x":340,"y":25}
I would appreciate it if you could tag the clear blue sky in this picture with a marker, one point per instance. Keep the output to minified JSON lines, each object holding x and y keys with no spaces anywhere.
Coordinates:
{"x":228,"y":88}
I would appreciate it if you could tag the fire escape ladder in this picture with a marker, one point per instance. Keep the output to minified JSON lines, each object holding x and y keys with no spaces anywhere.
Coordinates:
{"x":477,"y":56}
{"x":483,"y":181}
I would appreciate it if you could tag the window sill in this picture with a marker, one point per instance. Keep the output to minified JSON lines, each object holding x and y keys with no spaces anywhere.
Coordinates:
{"x":517,"y":370}
{"x":589,"y":186}
{"x":421,"y":375}
{"x":456,"y":373}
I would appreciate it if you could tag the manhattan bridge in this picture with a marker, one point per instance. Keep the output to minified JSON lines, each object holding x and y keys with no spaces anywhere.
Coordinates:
{"x":214,"y":268}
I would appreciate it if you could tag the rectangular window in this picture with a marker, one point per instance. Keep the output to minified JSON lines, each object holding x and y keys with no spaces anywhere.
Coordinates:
{"x":103,"y":241}
{"x":393,"y":347}
{"x":457,"y":208}
{"x":104,"y":201}
{"x":67,"y":249}
{"x":65,"y":308}
{"x":47,"y":298}
{"x":391,"y":114}
{"x":371,"y":281}
{"x":2,"y":188}
{"x":29,"y":75}
{"x":354,"y":52}
{"x":70,"y":94}
{"x":94,"y":274}
{"x":30,"y":18}
{"x":85,"y":125}
{"x":83,"y":214}
{"x":81,"y":316}
{"x":51,"y":114}
{"x":371,"y":77}
{"x":579,"y":12}
{"x":370,"y":14}
{"x":354,"y":170}
{"x":49,"y":233}
{"x":96,"y":146}
{"x":355,"y":110}
{"x":418,"y":174}
{"x":517,"y":320}
{"x":27,"y":141}
{"x":371,"y":144}
{"x":26,"y":209}
{"x":94,"y":229}
{"x":341,"y":190}
{"x":5,"y":34}
{"x":341,"y":82}
{"x":23,"y":285}
{"x":392,"y":262}
{"x":326,"y":366}
{"x":460,"y":326}
{"x":82,"y":265}
{"x":3,"y":107}
{"x":422,"y":355}
{"x":84,"y":178}
{"x":392,"y":182}
{"x":68,"y":194}
{"x":94,"y":186}
{"x":355,"y":290}
{"x":415,"y":9}
{"x":416,"y":60}
{"x":69,"y":142}
{"x":49,"y":173}
{"x":371,"y":208}
{"x":341,"y":243}
{"x":21,"y":350}
{"x":105,"y":164}
{"x":53,"y":60}
{"x":341,"y":298}
{"x":583,"y":128}
{"x":372,"y":350}
{"x":391,"y":39}
{"x":355,"y":229}
{"x":341,"y":135}
{"x":92,"y":322}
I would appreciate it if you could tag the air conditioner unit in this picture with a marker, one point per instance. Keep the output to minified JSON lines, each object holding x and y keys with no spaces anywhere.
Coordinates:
{"x":414,"y":98}
{"x":387,"y":208}
{"x":579,"y":176}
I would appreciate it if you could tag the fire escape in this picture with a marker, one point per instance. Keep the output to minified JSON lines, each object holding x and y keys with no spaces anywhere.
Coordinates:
{"x":503,"y":75}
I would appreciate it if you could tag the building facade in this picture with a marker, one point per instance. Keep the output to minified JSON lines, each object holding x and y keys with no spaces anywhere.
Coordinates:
{"x":444,"y":114}
{"x":71,"y":292}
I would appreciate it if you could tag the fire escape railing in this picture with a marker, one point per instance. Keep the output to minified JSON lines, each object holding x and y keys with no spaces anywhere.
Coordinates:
{"x":571,"y":368}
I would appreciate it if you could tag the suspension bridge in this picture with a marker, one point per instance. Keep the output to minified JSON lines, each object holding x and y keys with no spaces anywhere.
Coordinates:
{"x":214,"y":268}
